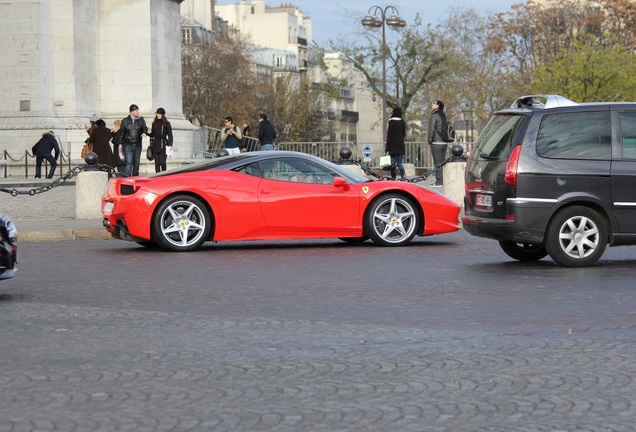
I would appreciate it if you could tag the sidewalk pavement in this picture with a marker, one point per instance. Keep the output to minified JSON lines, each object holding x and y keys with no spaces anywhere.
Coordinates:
{"x":47,"y":216}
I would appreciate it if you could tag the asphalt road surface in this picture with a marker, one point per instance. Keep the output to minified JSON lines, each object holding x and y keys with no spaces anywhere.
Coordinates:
{"x":447,"y":334}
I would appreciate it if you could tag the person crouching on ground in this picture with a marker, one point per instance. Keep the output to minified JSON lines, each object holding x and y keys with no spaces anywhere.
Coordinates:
{"x":42,"y":150}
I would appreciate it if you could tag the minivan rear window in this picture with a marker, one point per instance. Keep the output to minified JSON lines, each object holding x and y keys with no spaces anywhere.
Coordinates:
{"x":496,"y":139}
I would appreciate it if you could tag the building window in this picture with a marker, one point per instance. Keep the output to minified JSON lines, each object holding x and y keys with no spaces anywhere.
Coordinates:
{"x":186,"y":36}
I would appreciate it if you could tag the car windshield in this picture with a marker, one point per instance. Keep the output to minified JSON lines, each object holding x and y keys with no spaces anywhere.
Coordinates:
{"x":497,"y":137}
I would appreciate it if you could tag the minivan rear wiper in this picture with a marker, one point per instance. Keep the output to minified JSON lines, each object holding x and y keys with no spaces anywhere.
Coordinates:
{"x":487,"y":156}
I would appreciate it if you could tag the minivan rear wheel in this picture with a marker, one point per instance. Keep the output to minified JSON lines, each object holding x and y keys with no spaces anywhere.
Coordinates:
{"x":576,"y":237}
{"x":523,"y":251}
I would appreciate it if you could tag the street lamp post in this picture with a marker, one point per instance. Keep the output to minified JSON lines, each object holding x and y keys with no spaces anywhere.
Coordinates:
{"x":468,"y":117}
{"x":395,"y":22}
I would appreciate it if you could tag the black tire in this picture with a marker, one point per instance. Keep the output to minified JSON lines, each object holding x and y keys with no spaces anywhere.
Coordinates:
{"x":523,"y":251}
{"x":354,"y":240}
{"x":181,"y":223}
{"x":391,"y":220}
{"x":576,"y":237}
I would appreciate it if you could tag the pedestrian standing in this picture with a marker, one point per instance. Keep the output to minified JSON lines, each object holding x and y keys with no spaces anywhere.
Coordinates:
{"x":247,"y":133}
{"x":395,"y":142}
{"x":232,"y":136}
{"x":439,"y":147}
{"x":133,"y":131}
{"x":100,"y":139}
{"x":160,"y":134}
{"x":118,"y":154}
{"x":42,"y":150}
{"x":266,"y":133}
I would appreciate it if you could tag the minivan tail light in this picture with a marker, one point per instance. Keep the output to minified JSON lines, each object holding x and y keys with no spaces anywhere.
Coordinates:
{"x":511,"y":166}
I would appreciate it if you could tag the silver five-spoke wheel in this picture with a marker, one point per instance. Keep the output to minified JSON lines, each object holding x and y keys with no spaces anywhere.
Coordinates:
{"x":181,"y":223}
{"x":391,"y":220}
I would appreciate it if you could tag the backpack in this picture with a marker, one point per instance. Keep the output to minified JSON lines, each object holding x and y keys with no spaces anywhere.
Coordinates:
{"x":448,"y":131}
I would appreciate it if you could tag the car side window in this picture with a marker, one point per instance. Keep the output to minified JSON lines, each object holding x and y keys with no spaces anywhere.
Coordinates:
{"x":252,"y":169}
{"x":579,"y":135}
{"x":628,"y":134}
{"x":297,"y":171}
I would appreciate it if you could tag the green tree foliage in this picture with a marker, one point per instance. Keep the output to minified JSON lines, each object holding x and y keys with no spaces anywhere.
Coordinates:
{"x":579,"y":48}
{"x":586,"y":73}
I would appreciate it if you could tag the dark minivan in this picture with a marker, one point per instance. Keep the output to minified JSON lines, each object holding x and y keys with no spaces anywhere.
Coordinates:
{"x":552,"y":176}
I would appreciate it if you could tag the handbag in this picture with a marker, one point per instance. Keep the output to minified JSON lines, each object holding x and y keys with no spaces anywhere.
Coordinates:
{"x":149,"y":154}
{"x":88,"y":147}
{"x":385,"y":161}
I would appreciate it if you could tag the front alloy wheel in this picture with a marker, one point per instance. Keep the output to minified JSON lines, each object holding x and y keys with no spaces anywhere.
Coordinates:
{"x":391,"y":220}
{"x":576,"y":237}
{"x":181,"y":224}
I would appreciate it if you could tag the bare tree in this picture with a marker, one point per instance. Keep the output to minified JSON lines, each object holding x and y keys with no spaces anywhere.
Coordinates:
{"x":416,"y":58}
{"x":218,"y":80}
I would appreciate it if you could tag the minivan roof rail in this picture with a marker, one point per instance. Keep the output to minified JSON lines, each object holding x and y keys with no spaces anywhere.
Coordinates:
{"x":542,"y":101}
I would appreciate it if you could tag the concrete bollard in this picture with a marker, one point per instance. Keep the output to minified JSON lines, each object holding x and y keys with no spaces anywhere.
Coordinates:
{"x":409,"y":170}
{"x":454,"y":182}
{"x":89,"y":189}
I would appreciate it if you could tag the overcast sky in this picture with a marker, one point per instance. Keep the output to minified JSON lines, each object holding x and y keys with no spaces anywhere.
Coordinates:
{"x":333,"y":18}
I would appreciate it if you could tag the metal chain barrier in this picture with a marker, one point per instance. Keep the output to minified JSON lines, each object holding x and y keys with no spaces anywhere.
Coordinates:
{"x":58,"y":182}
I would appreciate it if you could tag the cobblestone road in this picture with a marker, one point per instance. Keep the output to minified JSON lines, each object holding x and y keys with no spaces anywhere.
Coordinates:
{"x":439,"y":342}
{"x":189,"y":373}
{"x":57,"y":203}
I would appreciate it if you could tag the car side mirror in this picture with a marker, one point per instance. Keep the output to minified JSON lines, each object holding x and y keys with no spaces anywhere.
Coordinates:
{"x":340,"y":182}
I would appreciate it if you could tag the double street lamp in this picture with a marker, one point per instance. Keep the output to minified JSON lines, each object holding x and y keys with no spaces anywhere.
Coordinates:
{"x":378,"y":17}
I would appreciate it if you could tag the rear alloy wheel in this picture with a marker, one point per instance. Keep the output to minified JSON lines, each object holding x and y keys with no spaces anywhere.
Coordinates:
{"x":523,"y":251}
{"x":391,"y":220}
{"x":576,"y":237}
{"x":181,"y":223}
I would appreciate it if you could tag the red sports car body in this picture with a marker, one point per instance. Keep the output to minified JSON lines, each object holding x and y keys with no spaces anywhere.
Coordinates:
{"x":270,"y":195}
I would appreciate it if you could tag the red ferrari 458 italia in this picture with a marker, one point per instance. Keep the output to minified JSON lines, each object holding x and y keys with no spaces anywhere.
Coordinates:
{"x":270,"y":195}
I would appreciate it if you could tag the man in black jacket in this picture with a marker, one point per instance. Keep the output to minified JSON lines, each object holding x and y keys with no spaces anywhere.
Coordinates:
{"x":133,"y":130}
{"x":42,"y":150}
{"x":266,"y":133}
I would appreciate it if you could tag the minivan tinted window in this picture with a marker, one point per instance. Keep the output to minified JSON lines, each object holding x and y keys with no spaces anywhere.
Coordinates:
{"x":628,"y":134}
{"x":577,"y":135}
{"x":496,"y":139}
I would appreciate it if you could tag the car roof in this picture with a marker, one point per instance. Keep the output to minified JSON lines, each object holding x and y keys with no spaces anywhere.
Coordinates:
{"x":233,"y":161}
{"x":529,"y":103}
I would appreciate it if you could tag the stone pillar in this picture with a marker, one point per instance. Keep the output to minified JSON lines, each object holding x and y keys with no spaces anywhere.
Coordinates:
{"x":89,"y":189}
{"x":454,"y":182}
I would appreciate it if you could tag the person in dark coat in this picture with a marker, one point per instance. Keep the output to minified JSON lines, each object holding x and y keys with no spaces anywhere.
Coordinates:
{"x":395,"y":142}
{"x":100,"y":138}
{"x":266,"y":133}
{"x":160,"y":134}
{"x":42,"y":150}
{"x":439,"y":147}
{"x":120,"y":163}
{"x":133,"y":131}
